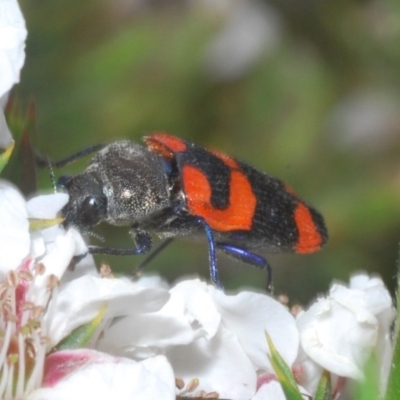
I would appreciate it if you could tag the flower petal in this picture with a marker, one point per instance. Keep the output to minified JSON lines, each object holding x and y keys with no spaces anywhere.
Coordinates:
{"x":167,"y":327}
{"x":200,"y":308}
{"x":379,"y":302}
{"x":46,"y":206}
{"x":84,"y":374}
{"x":12,"y":44}
{"x":273,"y":391}
{"x":248,"y":315}
{"x":307,"y":371}
{"x":377,"y":298}
{"x":219,"y":364}
{"x":336,"y":337}
{"x":14,"y":228}
{"x":79,"y":301}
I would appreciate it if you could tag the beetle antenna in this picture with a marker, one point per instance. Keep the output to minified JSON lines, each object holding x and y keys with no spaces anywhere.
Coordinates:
{"x":96,"y":236}
{"x":52,"y":176}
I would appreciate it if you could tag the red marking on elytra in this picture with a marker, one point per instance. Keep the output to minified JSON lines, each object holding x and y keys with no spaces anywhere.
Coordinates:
{"x":165,"y":144}
{"x":230,"y":162}
{"x":309,"y":238}
{"x":242,"y":201}
{"x":290,"y":190}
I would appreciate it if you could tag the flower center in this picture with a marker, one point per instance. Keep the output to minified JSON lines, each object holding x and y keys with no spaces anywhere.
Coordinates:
{"x":23,"y":302}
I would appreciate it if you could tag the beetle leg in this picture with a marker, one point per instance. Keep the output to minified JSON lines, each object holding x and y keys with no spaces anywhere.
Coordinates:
{"x":212,"y":256}
{"x":248,"y":257}
{"x":150,"y":257}
{"x":143,"y":241}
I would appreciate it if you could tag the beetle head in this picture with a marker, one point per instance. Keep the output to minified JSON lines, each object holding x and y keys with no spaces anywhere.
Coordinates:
{"x":87,"y":205}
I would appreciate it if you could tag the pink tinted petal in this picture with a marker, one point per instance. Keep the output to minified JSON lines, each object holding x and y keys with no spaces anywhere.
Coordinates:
{"x":103,"y":377}
{"x":63,"y":363}
{"x":265,"y":378}
{"x":21,"y":291}
{"x":249,"y":315}
{"x":14,"y":228}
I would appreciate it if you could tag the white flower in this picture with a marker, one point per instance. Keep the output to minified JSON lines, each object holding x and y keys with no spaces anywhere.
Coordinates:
{"x":14,"y":228}
{"x":40,"y":307}
{"x":210,"y":338}
{"x":27,"y":288}
{"x":87,"y":374}
{"x":80,"y":300}
{"x":340,"y":331}
{"x":12,"y":44}
{"x":380,"y":303}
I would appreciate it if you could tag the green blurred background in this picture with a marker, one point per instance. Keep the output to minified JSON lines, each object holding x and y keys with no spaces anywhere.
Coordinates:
{"x":308,"y":91}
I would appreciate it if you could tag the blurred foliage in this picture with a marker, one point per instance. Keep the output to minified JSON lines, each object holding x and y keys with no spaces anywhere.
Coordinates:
{"x":21,"y":169}
{"x":105,"y":70}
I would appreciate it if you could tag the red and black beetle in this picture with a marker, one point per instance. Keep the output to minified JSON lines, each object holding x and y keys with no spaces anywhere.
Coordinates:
{"x":172,"y":187}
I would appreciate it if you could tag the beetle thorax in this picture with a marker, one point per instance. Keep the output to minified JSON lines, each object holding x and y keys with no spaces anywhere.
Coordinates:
{"x":134,"y":183}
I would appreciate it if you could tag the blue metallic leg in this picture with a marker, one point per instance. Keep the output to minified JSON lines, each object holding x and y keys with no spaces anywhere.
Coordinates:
{"x":249,"y":258}
{"x":212,"y":255}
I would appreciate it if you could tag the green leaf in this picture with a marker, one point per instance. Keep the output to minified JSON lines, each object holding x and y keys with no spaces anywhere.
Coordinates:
{"x":283,"y":373}
{"x":324,"y":389}
{"x":21,"y":169}
{"x":4,"y":157}
{"x":81,"y":336}
{"x":36,"y":224}
{"x":368,"y":388}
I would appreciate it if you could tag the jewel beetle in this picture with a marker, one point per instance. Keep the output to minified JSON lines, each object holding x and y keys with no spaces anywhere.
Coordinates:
{"x":172,"y":187}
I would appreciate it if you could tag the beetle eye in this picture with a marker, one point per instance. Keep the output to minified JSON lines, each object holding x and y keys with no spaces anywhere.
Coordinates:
{"x":91,"y":211}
